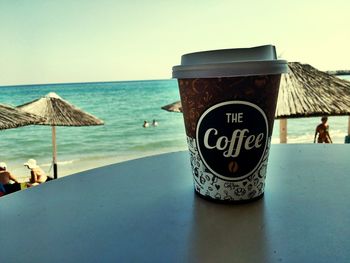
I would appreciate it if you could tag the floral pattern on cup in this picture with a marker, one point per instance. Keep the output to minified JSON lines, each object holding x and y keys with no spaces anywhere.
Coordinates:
{"x":208,"y":184}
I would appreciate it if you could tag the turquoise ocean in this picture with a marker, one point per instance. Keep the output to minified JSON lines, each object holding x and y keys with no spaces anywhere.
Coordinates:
{"x":123,"y":106}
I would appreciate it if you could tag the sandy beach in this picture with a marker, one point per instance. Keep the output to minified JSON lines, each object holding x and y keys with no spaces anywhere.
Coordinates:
{"x":66,"y":168}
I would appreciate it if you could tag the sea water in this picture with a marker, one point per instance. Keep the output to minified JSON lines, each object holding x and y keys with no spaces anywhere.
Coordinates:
{"x":123,"y":106}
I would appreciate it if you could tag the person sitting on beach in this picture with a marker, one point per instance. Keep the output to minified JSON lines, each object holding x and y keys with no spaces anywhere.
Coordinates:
{"x":154,"y":123}
{"x":5,"y":176}
{"x":145,"y":124}
{"x":37,"y":175}
{"x":323,"y":132}
{"x":2,"y":190}
{"x":8,"y":182}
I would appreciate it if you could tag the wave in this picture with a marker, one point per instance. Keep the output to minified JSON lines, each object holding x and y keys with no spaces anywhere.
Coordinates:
{"x":60,"y":163}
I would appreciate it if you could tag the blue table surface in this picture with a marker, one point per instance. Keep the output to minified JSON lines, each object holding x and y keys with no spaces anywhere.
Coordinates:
{"x":145,"y":210}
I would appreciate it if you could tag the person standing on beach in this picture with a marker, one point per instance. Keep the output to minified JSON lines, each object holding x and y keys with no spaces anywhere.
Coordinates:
{"x":323,"y":132}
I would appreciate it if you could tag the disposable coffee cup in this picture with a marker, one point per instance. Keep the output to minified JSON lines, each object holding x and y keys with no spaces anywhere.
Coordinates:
{"x":228,"y":101}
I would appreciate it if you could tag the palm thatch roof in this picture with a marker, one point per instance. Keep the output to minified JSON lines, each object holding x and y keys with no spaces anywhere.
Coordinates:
{"x":173,"y":107}
{"x":308,"y":92}
{"x":58,"y":112}
{"x":11,"y":117}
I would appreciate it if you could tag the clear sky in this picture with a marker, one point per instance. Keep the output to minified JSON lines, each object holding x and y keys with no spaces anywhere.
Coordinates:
{"x":43,"y":41}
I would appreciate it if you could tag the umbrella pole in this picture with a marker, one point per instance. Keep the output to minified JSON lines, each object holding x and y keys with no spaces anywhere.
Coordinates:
{"x":347,"y":138}
{"x":54,"y":152}
{"x":283,"y":130}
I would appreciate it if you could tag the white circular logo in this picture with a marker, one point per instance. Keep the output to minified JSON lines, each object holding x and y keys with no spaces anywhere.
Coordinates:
{"x":231,"y":138}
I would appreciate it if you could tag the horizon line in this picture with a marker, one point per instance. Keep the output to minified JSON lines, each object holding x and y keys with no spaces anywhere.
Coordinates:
{"x":80,"y":82}
{"x":331,"y":72}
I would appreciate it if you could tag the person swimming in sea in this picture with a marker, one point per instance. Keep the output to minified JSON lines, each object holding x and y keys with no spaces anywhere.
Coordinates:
{"x":154,"y":123}
{"x":145,"y":124}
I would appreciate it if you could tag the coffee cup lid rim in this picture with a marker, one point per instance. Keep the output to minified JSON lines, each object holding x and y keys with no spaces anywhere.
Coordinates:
{"x":261,"y":60}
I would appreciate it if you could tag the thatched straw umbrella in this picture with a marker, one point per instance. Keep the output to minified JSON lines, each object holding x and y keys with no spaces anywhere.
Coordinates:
{"x":173,"y":107}
{"x":12,"y":117}
{"x":58,"y":112}
{"x":308,"y":92}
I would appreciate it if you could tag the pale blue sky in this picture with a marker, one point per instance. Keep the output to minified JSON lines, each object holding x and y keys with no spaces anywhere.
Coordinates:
{"x":45,"y":41}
